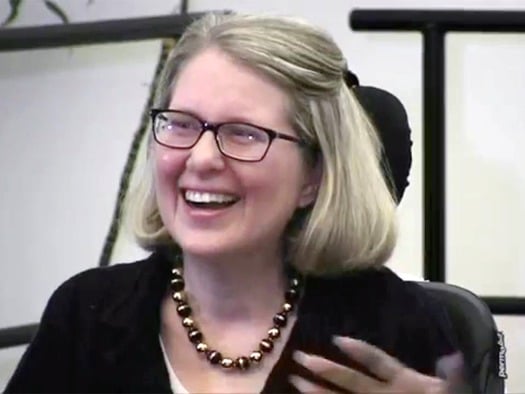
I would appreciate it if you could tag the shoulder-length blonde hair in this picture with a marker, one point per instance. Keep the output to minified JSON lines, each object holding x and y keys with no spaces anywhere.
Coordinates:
{"x":352,"y":222}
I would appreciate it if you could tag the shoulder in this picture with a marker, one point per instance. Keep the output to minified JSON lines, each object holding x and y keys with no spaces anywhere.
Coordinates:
{"x":84,"y":323}
{"x":93,"y":280}
{"x":103,"y":288}
{"x":376,"y":305}
{"x":369,"y":287}
{"x":379,"y":294}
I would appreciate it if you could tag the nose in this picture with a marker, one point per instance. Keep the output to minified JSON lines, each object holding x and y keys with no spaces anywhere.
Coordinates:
{"x":205,"y":155}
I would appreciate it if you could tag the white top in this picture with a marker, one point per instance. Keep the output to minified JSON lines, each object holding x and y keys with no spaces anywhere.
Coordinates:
{"x":175,"y":383}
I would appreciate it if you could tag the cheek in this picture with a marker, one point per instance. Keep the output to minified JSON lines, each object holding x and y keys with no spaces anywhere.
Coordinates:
{"x":279,"y":185}
{"x":167,"y":164}
{"x":167,"y":168}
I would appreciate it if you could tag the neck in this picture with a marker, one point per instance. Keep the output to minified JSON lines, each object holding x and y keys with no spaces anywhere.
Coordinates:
{"x":244,"y":287}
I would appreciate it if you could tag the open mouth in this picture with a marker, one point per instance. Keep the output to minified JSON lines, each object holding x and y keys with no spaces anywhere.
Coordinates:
{"x":206,"y":200}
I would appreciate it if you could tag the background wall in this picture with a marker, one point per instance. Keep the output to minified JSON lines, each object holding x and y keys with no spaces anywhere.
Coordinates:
{"x":67,"y":117}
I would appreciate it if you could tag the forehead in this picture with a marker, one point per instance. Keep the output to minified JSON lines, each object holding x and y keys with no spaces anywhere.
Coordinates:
{"x":215,"y":87}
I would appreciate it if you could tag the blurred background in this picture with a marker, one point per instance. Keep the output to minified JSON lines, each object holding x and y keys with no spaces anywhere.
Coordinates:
{"x":68,"y":116}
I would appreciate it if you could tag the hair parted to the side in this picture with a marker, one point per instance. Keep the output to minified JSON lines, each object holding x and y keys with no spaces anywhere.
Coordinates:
{"x":352,"y":223}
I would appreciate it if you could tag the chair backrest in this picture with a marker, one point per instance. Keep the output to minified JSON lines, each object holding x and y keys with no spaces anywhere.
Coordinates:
{"x":472,"y":320}
{"x":477,"y":334}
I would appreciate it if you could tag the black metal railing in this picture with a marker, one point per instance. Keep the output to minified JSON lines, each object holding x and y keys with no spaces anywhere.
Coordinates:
{"x":434,"y":25}
{"x":22,"y":38}
{"x":16,"y":336}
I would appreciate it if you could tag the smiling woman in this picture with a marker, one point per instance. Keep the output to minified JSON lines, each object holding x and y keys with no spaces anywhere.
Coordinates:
{"x":269,"y":218}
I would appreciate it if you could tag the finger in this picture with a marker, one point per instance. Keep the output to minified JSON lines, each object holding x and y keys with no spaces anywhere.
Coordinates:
{"x":433,"y":385}
{"x":305,"y":386}
{"x":375,"y":360}
{"x":339,"y":375}
{"x":451,"y":369}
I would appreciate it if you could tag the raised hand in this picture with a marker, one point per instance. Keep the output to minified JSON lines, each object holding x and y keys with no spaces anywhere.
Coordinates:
{"x":392,"y":375}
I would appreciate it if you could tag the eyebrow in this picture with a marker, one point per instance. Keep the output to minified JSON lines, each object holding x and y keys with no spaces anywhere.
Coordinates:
{"x":235,"y":119}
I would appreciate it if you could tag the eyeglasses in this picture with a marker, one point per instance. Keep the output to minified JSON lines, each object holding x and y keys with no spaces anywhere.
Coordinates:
{"x":239,"y":141}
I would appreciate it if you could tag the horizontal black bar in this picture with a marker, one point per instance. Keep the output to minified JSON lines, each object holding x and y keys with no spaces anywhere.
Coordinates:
{"x":15,"y":336}
{"x":12,"y":39}
{"x":506,"y":305}
{"x":445,"y":20}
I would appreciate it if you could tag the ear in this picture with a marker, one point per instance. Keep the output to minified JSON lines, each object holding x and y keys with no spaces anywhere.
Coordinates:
{"x":311,"y":185}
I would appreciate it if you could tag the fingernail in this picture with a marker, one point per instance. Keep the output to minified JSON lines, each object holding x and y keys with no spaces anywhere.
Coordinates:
{"x":449,"y":365}
{"x":294,"y":379}
{"x":300,"y":357}
{"x":300,"y":384}
{"x":341,"y":341}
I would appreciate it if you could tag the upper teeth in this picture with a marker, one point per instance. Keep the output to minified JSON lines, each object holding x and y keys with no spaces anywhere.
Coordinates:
{"x":204,"y":197}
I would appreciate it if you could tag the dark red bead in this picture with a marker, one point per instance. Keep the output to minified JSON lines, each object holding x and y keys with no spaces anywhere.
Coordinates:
{"x":195,"y":335}
{"x":214,"y":357}
{"x":184,"y":310}
{"x":280,"y":320}
{"x":266,"y":345}
{"x":242,"y":363}
{"x":291,"y":295}
{"x":177,"y":284}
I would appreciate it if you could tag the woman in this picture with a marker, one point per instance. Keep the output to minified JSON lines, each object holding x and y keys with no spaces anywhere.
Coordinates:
{"x":269,"y":219}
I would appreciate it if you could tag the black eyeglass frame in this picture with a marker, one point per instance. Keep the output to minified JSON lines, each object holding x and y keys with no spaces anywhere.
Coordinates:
{"x":214,"y":128}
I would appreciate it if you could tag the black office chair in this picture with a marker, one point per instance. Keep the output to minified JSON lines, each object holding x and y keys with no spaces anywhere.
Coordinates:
{"x":477,"y":335}
{"x":473,"y":322}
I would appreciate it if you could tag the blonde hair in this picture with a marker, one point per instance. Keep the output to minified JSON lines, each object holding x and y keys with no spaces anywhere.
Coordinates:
{"x":352,"y":223}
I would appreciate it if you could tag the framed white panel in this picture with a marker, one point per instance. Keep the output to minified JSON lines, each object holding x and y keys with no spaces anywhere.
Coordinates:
{"x":485,"y":162}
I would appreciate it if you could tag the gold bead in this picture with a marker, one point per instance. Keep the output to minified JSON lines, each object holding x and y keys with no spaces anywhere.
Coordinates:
{"x":179,"y":296}
{"x":227,"y":362}
{"x":188,"y":322}
{"x":256,"y":356}
{"x":287,"y":307}
{"x":201,"y":347}
{"x":274,"y":333}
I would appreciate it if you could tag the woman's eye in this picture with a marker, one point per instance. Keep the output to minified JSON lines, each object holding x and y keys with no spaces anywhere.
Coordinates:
{"x":180,"y":124}
{"x":246,"y":135}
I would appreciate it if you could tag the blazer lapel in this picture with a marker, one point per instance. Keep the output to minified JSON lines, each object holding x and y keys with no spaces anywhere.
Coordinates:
{"x":130,"y":354}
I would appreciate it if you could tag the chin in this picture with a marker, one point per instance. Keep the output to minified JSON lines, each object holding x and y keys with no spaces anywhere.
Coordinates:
{"x":209,"y":245}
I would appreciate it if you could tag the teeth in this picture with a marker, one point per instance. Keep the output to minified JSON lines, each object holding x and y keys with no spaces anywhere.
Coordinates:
{"x":203,"y":197}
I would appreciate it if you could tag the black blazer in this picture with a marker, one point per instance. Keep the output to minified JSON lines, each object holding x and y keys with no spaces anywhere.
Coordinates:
{"x":99,"y":331}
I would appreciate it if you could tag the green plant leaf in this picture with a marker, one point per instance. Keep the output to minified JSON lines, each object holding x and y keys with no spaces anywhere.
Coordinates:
{"x":13,"y":13}
{"x":55,"y":9}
